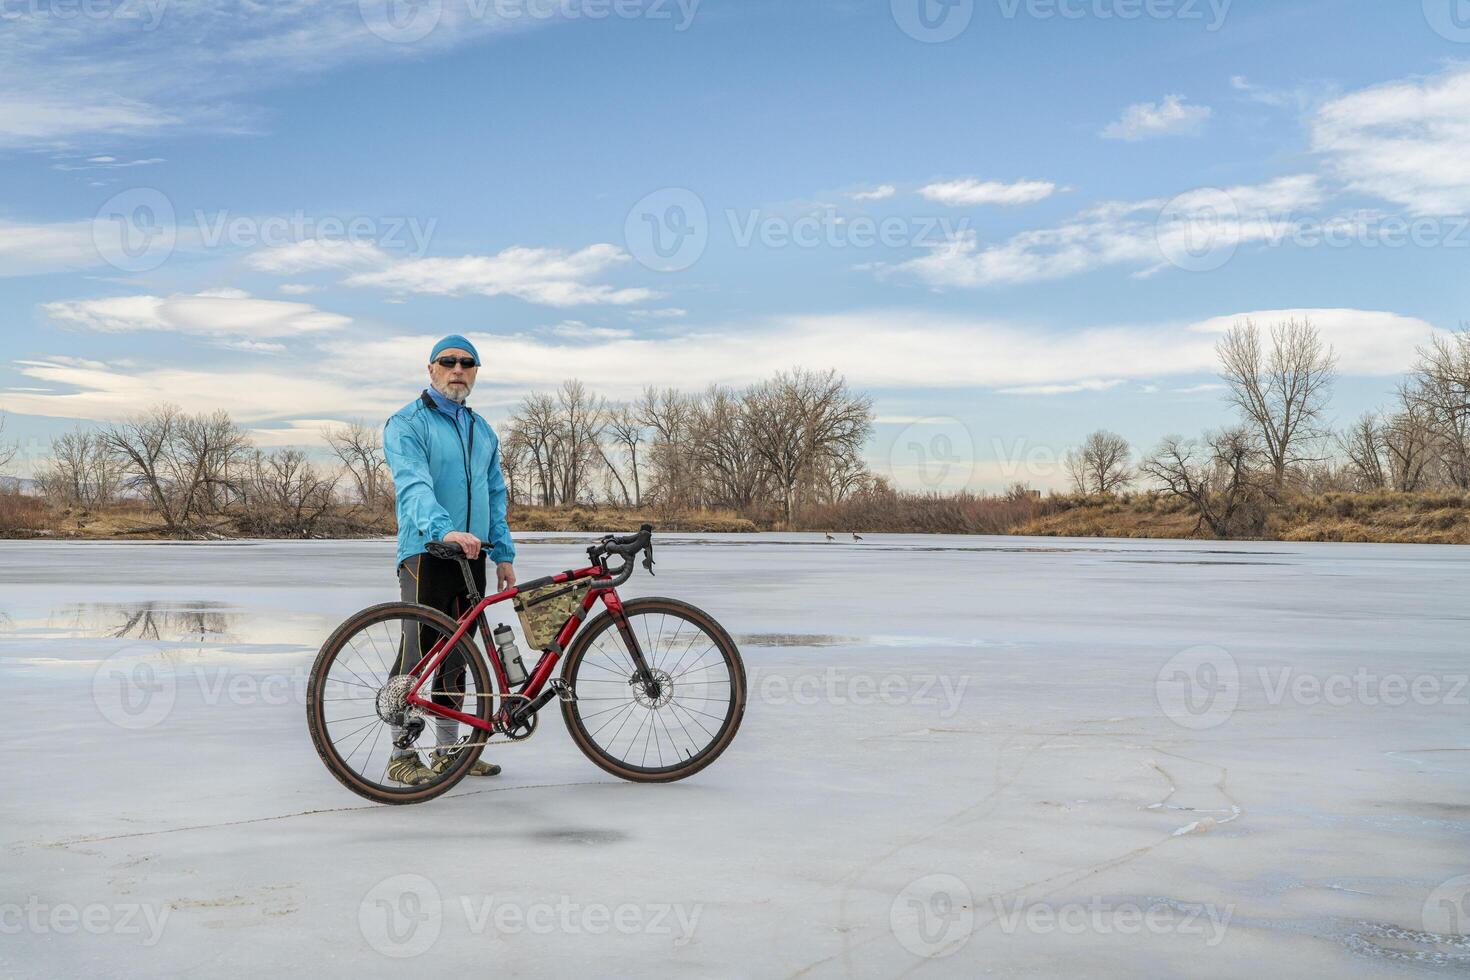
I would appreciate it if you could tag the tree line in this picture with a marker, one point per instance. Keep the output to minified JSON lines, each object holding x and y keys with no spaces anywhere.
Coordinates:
{"x":199,"y":474}
{"x":1279,"y":382}
{"x":788,"y":451}
{"x":768,"y":450}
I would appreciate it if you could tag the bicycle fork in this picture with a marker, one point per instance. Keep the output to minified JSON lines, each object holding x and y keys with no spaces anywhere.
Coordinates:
{"x":642,"y":674}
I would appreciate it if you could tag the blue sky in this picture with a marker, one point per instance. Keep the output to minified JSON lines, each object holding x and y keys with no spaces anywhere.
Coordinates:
{"x":1028,"y":220}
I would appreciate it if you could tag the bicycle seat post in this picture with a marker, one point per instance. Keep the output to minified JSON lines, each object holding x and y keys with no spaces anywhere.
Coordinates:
{"x":469,"y":581}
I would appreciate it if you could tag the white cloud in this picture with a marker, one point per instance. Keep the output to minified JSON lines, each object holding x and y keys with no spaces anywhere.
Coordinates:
{"x":107,"y":163}
{"x":577,"y":330}
{"x":667,"y":313}
{"x":296,"y":288}
{"x":314,"y":254}
{"x":69,"y":246}
{"x":111,"y":392}
{"x":368,"y":378}
{"x":1368,"y":343}
{"x":1405,"y":142}
{"x":47,"y":120}
{"x":220,"y":314}
{"x":880,"y":193}
{"x":1137,"y":233}
{"x":969,"y":191}
{"x":1146,"y":119}
{"x":888,"y":349}
{"x":155,"y":64}
{"x":1276,"y":98}
{"x":548,"y":276}
{"x":296,"y":432}
{"x":30,"y":249}
{"x":1064,"y":389}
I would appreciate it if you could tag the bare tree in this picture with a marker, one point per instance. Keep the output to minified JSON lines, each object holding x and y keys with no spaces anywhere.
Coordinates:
{"x":1217,"y":476}
{"x":360,"y":450}
{"x":81,"y":471}
{"x":670,"y":415}
{"x":802,"y":418}
{"x":557,"y":440}
{"x":1281,"y":392}
{"x":839,"y":476}
{"x":578,"y":435}
{"x":723,"y":449}
{"x":627,"y":434}
{"x":534,"y":428}
{"x":1364,"y":446}
{"x":282,"y":494}
{"x":1440,"y":388}
{"x":515,"y":463}
{"x":8,"y":450}
{"x":181,"y":464}
{"x":211,"y":446}
{"x":1409,"y":443}
{"x":1101,"y":464}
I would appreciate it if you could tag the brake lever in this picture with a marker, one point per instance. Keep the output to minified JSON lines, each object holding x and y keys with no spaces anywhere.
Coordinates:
{"x":648,"y":558}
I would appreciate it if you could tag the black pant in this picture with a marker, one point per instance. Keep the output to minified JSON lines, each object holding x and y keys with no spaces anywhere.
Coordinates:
{"x":437,"y":582}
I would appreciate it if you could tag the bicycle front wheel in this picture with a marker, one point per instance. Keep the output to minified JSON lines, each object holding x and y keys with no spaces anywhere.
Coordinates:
{"x":688,"y":718}
{"x":356,"y":703}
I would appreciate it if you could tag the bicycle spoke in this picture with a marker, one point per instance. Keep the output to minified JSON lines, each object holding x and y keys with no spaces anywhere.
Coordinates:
{"x":628,"y":707}
{"x":613,"y":672}
{"x":696,"y":720}
{"x":625,"y":656}
{"x":670,"y":734}
{"x":378,"y":652}
{"x":360,"y":750}
{"x":675,"y":671}
{"x":348,"y":667}
{"x":687,"y":647}
{"x":643,"y":730}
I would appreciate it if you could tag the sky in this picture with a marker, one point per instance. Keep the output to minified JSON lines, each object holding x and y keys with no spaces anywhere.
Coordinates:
{"x":1010,"y":222}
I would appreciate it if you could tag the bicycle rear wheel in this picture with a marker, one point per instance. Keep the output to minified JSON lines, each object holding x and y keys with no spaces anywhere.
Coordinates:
{"x":695,"y":713}
{"x":355,"y":701}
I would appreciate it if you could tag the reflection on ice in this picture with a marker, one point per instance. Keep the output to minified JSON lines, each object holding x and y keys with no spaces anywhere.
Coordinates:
{"x":168,"y":629}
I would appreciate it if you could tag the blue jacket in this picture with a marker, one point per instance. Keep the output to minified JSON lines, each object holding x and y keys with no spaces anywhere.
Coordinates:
{"x":446,"y":475}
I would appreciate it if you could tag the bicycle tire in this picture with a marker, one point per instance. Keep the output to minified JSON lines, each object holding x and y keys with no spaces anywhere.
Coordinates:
{"x":576,"y":723}
{"x":317,"y":722}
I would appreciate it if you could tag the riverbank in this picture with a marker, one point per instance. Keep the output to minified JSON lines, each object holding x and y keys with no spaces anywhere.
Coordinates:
{"x":1383,"y":517}
{"x":1377,"y":517}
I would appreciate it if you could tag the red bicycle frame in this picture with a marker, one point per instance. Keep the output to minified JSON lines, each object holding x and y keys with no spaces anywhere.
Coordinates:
{"x":541,"y":673}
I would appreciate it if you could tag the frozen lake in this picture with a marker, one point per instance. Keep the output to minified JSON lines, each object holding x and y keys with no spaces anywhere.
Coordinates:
{"x":962,"y":756}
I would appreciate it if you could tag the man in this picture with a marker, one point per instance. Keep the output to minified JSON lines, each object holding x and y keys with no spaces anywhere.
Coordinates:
{"x":445,"y":461}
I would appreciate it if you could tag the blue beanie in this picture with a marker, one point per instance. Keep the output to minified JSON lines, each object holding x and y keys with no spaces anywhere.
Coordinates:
{"x":455,"y":340}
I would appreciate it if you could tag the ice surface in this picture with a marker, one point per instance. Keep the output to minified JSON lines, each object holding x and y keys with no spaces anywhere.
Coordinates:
{"x":962,"y":757}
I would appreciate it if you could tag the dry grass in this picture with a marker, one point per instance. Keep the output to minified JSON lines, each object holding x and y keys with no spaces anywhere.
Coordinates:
{"x":21,"y":515}
{"x":914,"y":513}
{"x":1422,"y":518}
{"x":621,"y":520}
{"x":1426,"y":518}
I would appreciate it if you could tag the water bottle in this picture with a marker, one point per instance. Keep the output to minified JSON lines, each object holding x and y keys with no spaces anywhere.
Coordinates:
{"x":510,"y":656}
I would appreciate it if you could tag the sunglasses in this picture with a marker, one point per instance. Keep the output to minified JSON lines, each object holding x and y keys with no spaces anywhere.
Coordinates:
{"x":464,"y":362}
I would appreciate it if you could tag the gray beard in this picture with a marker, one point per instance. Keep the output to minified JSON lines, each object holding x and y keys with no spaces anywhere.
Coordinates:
{"x":454,"y":395}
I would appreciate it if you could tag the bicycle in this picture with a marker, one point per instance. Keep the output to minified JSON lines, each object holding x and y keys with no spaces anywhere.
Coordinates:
{"x":621,"y":668}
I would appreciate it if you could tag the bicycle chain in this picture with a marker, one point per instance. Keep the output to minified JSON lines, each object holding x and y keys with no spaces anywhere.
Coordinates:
{"x":469,"y":745}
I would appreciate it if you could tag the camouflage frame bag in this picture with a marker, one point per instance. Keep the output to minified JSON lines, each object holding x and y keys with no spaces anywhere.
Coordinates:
{"x":542,"y":611}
